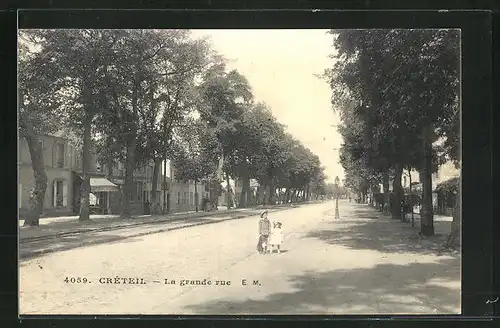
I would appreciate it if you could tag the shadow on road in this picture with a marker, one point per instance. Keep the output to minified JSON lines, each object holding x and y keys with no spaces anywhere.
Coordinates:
{"x":369,"y":229}
{"x":358,"y":291}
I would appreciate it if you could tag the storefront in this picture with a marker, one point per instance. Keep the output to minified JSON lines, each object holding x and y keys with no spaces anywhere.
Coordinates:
{"x":100,"y":191}
{"x":101,"y":188}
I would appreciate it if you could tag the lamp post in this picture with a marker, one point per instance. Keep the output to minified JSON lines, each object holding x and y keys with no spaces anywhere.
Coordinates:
{"x":337,"y":215}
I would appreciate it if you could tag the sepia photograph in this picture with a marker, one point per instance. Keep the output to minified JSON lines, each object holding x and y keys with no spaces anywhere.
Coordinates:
{"x":239,"y":172}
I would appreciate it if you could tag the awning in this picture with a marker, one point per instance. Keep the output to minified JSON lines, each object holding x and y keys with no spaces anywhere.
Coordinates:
{"x":102,"y":184}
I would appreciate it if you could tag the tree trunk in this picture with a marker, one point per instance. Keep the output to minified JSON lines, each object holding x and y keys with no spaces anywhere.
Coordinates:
{"x":287,"y":195}
{"x":272,"y":192}
{"x":86,"y":158}
{"x":196,"y":195}
{"x":426,"y":215}
{"x":385,"y":187}
{"x":164,"y":207}
{"x":398,"y":192}
{"x":154,"y":187}
{"x":245,"y":191}
{"x":214,"y":186}
{"x":130,"y":162}
{"x":229,"y":199}
{"x":128,"y":188}
{"x":37,"y":195}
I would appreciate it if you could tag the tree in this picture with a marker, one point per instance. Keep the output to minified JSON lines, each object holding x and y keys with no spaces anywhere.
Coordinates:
{"x":38,"y":103}
{"x":225,"y":96}
{"x":146,"y":96}
{"x":388,"y":78}
{"x":172,"y":95}
{"x":198,"y":156}
{"x":77,"y":60}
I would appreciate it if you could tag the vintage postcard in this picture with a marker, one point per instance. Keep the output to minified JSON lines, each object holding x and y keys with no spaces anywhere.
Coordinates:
{"x":210,"y":172}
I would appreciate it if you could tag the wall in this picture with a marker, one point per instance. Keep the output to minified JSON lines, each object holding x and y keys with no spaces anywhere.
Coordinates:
{"x":445,"y":172}
{"x":73,"y":163}
{"x":188,"y":203}
{"x":26,"y":179}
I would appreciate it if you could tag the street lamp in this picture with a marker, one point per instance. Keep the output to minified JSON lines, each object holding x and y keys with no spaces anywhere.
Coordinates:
{"x":337,"y":180}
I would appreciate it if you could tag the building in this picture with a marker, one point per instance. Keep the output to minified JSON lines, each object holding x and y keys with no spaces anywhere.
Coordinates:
{"x":442,"y":200}
{"x":61,"y":161}
{"x":446,"y":172}
{"x":184,"y":196}
{"x":63,"y":166}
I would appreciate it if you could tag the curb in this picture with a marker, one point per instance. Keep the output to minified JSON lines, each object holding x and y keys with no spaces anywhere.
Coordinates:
{"x":118,"y":227}
{"x":89,"y":243}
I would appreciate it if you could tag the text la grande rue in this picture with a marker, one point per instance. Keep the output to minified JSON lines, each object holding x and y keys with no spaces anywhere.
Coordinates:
{"x":208,"y":282}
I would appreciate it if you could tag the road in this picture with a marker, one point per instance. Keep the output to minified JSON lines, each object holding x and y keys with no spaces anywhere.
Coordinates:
{"x":359,"y":264}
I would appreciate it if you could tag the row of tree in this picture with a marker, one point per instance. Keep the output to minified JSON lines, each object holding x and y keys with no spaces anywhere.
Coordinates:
{"x":142,"y":96}
{"x":397,"y":94}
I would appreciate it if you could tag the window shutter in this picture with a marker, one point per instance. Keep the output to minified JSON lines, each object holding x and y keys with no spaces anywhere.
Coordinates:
{"x":65,"y":154}
{"x":54,"y":193}
{"x":54,"y":156}
{"x":65,"y":193}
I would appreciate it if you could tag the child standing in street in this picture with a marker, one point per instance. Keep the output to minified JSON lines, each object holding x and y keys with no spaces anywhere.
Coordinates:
{"x":276,"y":238}
{"x":264,"y":231}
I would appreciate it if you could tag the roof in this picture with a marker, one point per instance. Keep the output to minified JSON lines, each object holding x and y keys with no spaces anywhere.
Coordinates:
{"x":102,"y":184}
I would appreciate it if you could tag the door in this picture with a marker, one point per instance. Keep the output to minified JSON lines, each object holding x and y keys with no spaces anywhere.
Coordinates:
{"x":103,"y":202}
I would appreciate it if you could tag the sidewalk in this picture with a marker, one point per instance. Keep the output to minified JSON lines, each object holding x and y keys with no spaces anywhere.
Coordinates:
{"x":442,"y":223}
{"x":56,"y":227}
{"x":442,"y":228}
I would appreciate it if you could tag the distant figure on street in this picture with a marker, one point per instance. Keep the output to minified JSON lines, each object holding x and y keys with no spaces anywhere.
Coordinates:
{"x":264,"y":231}
{"x":276,"y":238}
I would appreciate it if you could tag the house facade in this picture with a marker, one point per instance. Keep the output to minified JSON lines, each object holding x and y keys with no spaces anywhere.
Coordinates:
{"x":61,"y":160}
{"x":446,"y":172}
{"x":63,"y":166}
{"x":184,"y":196}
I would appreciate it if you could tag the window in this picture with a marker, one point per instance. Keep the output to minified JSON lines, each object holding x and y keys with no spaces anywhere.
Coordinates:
{"x":185,"y":199}
{"x":131,"y":196}
{"x":40,"y":142}
{"x":191,"y":198}
{"x":139,"y":190}
{"x":59,"y":193}
{"x":60,"y":155}
{"x":178,"y":198}
{"x":102,"y":198}
{"x":93,"y":199}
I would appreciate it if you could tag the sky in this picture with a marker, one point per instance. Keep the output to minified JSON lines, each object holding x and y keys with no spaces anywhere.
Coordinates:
{"x":280,"y":65}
